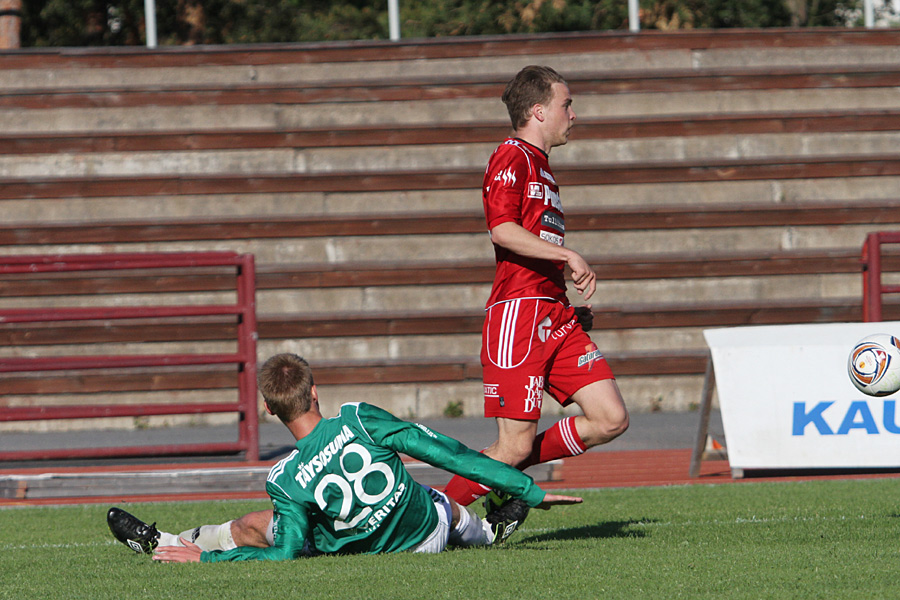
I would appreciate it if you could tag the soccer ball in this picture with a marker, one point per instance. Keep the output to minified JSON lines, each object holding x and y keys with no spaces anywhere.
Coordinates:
{"x":874,"y":365}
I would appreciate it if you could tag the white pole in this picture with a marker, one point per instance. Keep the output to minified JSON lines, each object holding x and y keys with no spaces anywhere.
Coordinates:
{"x":150,"y":22}
{"x":869,"y":13}
{"x":634,"y":20}
{"x":394,"y":19}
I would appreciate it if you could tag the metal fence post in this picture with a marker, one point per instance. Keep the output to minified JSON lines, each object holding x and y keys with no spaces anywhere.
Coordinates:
{"x":634,"y":16}
{"x":394,"y":19}
{"x":150,"y":22}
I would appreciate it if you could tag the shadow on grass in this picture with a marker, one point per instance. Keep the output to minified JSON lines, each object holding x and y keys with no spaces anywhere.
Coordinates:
{"x":608,"y":529}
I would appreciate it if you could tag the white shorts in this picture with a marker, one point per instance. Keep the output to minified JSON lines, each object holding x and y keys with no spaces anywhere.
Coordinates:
{"x":437,"y":541}
{"x":270,"y":538}
{"x":270,"y":532}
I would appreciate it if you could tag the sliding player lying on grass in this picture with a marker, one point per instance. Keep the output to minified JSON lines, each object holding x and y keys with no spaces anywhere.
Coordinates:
{"x":344,"y":488}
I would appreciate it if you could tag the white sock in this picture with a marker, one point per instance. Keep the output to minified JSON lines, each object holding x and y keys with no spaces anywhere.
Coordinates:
{"x":208,"y":537}
{"x":470,"y":531}
{"x":168,"y":539}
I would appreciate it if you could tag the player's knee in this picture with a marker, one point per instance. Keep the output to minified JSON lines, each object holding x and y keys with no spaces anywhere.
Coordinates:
{"x":250,"y":529}
{"x":607,"y":428}
{"x":619,"y":424}
{"x":512,"y":450}
{"x":521,"y":455}
{"x":517,"y":452}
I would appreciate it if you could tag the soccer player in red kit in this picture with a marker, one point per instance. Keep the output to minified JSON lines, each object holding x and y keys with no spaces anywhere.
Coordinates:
{"x":533,"y":339}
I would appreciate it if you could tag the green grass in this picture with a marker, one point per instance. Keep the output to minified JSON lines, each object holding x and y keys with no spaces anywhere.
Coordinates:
{"x":825,"y":539}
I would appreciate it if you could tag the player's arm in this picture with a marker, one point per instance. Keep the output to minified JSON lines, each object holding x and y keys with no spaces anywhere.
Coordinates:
{"x":447,"y":453}
{"x":517,"y":239}
{"x":291,"y":531}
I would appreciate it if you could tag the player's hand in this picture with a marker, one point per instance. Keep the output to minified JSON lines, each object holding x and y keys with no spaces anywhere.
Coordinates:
{"x":585,"y":317}
{"x":176,"y":554}
{"x":551,"y":500}
{"x":583,"y":276}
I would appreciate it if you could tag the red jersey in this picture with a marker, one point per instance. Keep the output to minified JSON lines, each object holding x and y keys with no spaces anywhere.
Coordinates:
{"x":519,"y":187}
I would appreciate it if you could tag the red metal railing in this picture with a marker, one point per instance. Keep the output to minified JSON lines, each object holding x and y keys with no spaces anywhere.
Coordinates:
{"x":873,"y":287}
{"x":244,"y":359}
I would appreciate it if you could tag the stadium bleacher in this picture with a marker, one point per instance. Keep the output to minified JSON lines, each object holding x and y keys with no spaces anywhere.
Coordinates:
{"x":713,"y":178}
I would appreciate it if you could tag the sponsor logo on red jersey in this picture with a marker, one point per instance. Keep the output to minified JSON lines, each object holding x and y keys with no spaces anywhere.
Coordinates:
{"x":543,"y":329}
{"x":534,"y":393}
{"x":591,"y":355}
{"x":507,"y":177}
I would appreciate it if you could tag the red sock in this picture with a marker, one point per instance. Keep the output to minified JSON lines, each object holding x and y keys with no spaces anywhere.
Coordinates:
{"x":559,"y":441}
{"x":465,"y":492}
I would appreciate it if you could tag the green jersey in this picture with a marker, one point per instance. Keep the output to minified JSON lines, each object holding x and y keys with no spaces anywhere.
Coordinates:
{"x":345,"y":488}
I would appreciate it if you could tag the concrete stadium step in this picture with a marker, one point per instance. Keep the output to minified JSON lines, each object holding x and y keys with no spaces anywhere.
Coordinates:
{"x":616,"y":293}
{"x":817,"y":274}
{"x":26,"y":208}
{"x":391,"y":136}
{"x":600,"y":142}
{"x":458,"y":297}
{"x":455,"y":285}
{"x":450,"y":56}
{"x":382,"y":330}
{"x":767,"y":168}
{"x":647,"y":383}
{"x":356,"y":71}
{"x":811,"y":117}
{"x":645,"y":378}
{"x":471,"y":86}
{"x":456,"y":156}
{"x":466,"y":247}
{"x":457,"y":222}
{"x":274,"y":116}
{"x":374,"y":274}
{"x":400,"y":322}
{"x":421,"y":388}
{"x":333,"y":239}
{"x":424,"y":400}
{"x":596,"y":141}
{"x":461,"y":297}
{"x":427,"y":101}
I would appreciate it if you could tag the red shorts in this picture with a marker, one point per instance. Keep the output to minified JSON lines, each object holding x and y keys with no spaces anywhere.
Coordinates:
{"x":531,"y":346}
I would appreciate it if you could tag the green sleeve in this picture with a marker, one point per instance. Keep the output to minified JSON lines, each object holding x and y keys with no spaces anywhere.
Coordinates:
{"x":446,"y":453}
{"x":291,"y":528}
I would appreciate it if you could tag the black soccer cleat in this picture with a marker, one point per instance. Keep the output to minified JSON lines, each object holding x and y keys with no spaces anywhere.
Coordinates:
{"x":132,"y":532}
{"x":493,"y":500}
{"x":505,"y":514}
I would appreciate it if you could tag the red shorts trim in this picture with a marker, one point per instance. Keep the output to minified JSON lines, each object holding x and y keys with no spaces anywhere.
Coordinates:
{"x":531,"y":346}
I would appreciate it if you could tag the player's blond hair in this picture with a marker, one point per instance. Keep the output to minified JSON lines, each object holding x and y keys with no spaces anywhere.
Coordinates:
{"x":532,"y":85}
{"x":286,"y":381}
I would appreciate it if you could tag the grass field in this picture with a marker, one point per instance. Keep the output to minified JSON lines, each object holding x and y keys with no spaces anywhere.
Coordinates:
{"x":824,"y":539}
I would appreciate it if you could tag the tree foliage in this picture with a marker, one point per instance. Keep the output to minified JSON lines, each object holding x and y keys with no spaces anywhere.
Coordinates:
{"x":121,"y":22}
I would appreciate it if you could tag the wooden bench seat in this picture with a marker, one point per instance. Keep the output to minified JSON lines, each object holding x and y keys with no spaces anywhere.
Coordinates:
{"x":400,"y":135}
{"x":448,"y":47}
{"x":454,"y":88}
{"x":708,"y":314}
{"x":769,"y":168}
{"x":350,"y":372}
{"x":135,"y":93}
{"x":873,"y":212}
{"x":436,"y":322}
{"x":374,"y":274}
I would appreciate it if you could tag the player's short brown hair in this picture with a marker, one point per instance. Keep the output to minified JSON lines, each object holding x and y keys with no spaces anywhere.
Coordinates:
{"x":532,"y":85}
{"x":286,"y":382}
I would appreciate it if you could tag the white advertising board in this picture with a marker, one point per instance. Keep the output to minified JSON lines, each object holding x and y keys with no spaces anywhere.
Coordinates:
{"x":787,"y":401}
